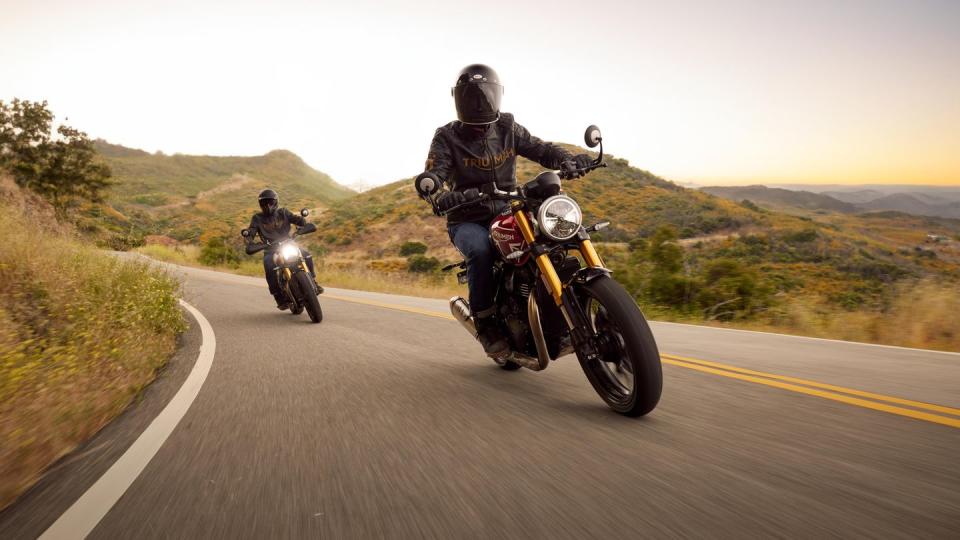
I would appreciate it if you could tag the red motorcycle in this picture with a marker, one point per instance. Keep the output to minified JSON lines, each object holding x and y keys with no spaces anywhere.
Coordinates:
{"x":554,"y":295}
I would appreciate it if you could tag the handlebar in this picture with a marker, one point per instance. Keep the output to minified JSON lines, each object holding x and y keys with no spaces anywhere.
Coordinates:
{"x":499,"y":195}
{"x":577,"y":173}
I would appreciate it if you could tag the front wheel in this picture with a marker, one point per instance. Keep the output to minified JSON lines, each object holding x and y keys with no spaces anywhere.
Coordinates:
{"x":506,"y":365}
{"x":627,"y":374}
{"x":308,"y":296}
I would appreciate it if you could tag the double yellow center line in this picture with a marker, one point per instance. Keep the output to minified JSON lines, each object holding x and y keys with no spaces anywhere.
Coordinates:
{"x":918,"y":410}
{"x":869,"y":400}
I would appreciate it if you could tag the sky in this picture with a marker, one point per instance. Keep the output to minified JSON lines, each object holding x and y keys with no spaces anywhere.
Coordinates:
{"x":730,"y":92}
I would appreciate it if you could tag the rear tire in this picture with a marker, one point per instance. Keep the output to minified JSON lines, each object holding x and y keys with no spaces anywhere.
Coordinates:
{"x":308,"y":296}
{"x":613,"y":313}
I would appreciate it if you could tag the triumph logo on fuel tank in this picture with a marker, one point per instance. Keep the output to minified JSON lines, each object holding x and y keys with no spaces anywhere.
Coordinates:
{"x":487,"y":162}
{"x":501,"y":237}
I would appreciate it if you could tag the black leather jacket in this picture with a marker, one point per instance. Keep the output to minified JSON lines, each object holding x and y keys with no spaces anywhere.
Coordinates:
{"x":275,"y":228}
{"x":464,"y":159}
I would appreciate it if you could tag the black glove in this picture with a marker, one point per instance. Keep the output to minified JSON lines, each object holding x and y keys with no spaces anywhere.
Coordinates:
{"x":572,"y":166}
{"x":450,"y":199}
{"x":568,"y":169}
{"x":583,"y":161}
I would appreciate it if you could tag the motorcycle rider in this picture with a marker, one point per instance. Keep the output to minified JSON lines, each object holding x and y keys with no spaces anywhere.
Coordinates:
{"x":273,"y":224}
{"x":478,"y":150}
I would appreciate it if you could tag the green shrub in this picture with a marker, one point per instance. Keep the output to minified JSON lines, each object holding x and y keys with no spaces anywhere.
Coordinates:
{"x":671,"y":290}
{"x":422,"y":264}
{"x":800,"y":237}
{"x":730,"y":290}
{"x":750,"y":205}
{"x":412,"y":248}
{"x":216,"y":252}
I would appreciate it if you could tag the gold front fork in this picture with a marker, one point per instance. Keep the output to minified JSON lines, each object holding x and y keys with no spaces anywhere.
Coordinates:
{"x":590,"y":255}
{"x":547,"y":271}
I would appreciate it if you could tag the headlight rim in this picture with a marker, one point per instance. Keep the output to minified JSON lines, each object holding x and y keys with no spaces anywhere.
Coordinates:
{"x":543,"y":223}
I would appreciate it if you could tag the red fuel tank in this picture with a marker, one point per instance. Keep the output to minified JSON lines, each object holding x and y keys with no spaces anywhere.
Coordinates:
{"x":507,"y":236}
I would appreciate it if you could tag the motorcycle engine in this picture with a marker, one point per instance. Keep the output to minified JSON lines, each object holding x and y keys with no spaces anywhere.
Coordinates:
{"x":518,"y":286}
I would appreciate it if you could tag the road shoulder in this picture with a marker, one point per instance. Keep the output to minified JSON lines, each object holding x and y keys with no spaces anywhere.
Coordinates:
{"x":70,"y":477}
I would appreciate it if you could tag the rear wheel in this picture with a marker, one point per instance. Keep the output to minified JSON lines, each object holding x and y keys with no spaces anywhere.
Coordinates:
{"x":308,"y":296}
{"x":627,"y":374}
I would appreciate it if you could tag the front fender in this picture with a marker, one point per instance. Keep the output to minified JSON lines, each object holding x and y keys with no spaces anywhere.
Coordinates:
{"x":588,"y":274}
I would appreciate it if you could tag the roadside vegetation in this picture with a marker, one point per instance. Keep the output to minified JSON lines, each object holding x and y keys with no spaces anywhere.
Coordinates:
{"x":81,"y":331}
{"x":392,"y":276}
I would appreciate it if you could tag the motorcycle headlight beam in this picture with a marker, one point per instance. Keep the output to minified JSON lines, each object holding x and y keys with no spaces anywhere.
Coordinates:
{"x":559,"y":218}
{"x":289,"y":252}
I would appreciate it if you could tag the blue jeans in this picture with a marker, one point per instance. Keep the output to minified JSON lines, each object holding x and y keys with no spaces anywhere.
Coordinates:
{"x":473,"y":241}
{"x":272,"y":276}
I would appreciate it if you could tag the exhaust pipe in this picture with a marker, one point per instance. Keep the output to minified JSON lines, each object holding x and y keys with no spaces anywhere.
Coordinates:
{"x":461,"y":312}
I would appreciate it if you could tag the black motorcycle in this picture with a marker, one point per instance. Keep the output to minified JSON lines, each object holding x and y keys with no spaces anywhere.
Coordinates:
{"x":293,"y":275}
{"x":554,"y":295}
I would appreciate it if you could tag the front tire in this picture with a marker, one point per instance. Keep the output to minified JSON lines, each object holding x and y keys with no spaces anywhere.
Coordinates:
{"x":506,"y":365}
{"x":308,"y":296}
{"x":628,"y":376}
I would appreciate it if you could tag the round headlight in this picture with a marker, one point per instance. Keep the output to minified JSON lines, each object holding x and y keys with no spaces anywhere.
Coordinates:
{"x":559,"y":218}
{"x":289,"y":252}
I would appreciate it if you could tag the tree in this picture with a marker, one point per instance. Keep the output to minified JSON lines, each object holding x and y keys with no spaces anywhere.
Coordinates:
{"x":664,"y":252}
{"x":667,"y":286}
{"x":62,"y":168}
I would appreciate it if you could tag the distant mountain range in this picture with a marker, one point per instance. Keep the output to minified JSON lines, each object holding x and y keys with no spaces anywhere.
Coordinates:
{"x":935,"y":201}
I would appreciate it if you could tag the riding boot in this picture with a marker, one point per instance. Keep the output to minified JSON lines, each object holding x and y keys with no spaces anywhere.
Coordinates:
{"x":489,"y":335}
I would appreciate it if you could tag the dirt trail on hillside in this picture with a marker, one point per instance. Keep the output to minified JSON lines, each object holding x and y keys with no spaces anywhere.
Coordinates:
{"x":235,"y":182}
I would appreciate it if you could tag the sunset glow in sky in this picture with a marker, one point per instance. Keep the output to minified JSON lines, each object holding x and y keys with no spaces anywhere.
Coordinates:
{"x":710,"y":92}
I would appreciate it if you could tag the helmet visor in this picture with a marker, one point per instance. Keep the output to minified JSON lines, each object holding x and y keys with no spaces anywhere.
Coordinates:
{"x":478,"y":103}
{"x":268,"y":205}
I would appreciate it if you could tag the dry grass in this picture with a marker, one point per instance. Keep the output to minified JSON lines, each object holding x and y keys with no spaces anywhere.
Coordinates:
{"x":924,"y":314}
{"x":80,"y":334}
{"x":919,"y":314}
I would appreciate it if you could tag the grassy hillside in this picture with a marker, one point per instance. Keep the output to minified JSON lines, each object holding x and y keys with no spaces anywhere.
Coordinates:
{"x":192,"y":198}
{"x":684,"y":254}
{"x":81,"y":332}
{"x":376,"y":222}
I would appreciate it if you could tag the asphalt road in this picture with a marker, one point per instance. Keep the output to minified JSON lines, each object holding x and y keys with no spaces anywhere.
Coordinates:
{"x":387,"y":421}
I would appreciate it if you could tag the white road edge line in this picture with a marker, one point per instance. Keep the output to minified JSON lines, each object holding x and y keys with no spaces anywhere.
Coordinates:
{"x":81,"y":518}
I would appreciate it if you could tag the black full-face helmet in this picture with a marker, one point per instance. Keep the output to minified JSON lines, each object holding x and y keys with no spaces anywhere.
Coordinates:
{"x":477,"y":95}
{"x":269,"y":201}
